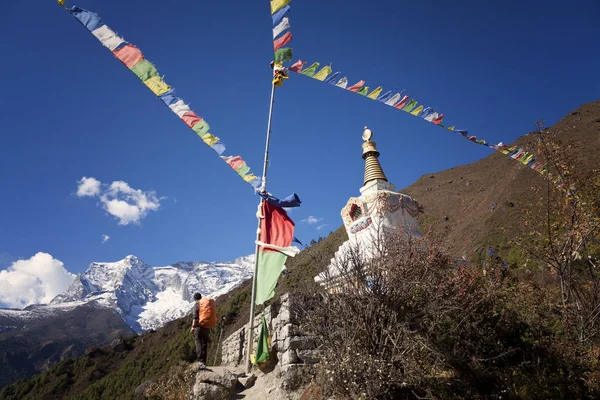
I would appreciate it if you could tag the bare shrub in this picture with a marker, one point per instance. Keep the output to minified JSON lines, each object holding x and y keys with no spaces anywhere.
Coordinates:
{"x":414,"y":323}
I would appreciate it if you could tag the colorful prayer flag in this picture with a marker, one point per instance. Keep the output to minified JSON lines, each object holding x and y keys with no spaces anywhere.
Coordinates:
{"x":332,"y":78}
{"x":277,"y":5}
{"x":201,"y":128}
{"x":282,"y":41}
{"x":310,"y":71}
{"x":342,"y":83}
{"x":157,"y":85}
{"x":363,"y":91}
{"x":144,"y":70}
{"x":356,"y":86}
{"x":262,"y":347}
{"x":297,"y":66}
{"x":278,"y":16}
{"x":322,"y":74}
{"x":375,"y":93}
{"x":129,"y":55}
{"x":283,"y":55}
{"x":276,"y":229}
{"x":283,"y":25}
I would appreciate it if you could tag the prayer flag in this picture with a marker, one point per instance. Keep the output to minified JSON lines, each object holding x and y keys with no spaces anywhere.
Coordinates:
{"x":278,"y":16}
{"x":107,"y":37}
{"x":356,"y":86}
{"x":363,"y":91}
{"x":250,"y":178}
{"x":409,"y":107}
{"x":234,"y":162}
{"x":297,"y":66}
{"x":157,"y":85}
{"x":201,"y":128}
{"x":129,"y":55}
{"x":262,"y":347}
{"x":282,"y":41}
{"x":310,"y":71}
{"x":332,"y":78}
{"x":375,"y":93}
{"x":276,"y":230}
{"x":191,"y":119}
{"x":169,"y":97}
{"x":285,"y":24}
{"x":417,"y":110}
{"x":219,"y":148}
{"x":144,"y":70}
{"x":401,"y":103}
{"x":277,"y":5}
{"x":431,"y":117}
{"x":322,"y":74}
{"x":393,"y":100}
{"x":342,"y":83}
{"x":242,"y":169}
{"x":210,"y":140}
{"x":291,"y":201}
{"x":438,"y":120}
{"x":180,"y":108}
{"x":283,"y":55}
{"x":87,"y":18}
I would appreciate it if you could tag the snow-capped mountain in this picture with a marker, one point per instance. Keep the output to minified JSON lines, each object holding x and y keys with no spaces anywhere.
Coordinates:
{"x":147,"y":297}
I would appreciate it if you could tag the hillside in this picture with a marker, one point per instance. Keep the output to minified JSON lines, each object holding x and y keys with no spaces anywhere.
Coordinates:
{"x":482,"y":201}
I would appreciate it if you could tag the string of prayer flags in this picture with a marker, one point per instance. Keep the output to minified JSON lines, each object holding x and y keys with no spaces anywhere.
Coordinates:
{"x":281,"y":34}
{"x":146,"y":72}
{"x":412,"y":107}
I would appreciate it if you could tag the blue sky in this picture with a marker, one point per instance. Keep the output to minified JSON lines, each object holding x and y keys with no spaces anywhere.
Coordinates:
{"x":71,"y":110}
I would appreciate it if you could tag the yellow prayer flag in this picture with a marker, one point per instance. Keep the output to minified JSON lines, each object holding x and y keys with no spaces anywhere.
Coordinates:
{"x":250,"y":178}
{"x":322,"y":74}
{"x":451,"y":128}
{"x":157,"y":85}
{"x":61,"y":2}
{"x":209,"y":139}
{"x":277,"y":5}
{"x":417,"y":110}
{"x":375,"y":93}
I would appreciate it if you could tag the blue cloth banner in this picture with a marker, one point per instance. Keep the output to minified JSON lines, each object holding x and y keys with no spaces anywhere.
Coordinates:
{"x":89,"y":19}
{"x":278,"y":16}
{"x":218,"y":147}
{"x":385,"y":97}
{"x":169,"y":97}
{"x":289,"y":202}
{"x":332,"y":78}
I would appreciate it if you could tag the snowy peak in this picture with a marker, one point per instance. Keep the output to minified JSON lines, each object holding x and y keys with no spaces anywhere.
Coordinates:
{"x":147,"y":297}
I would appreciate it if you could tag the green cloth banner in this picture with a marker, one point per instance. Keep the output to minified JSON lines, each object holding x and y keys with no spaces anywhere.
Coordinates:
{"x":283,"y":55}
{"x":270,"y":265}
{"x":262,"y":348}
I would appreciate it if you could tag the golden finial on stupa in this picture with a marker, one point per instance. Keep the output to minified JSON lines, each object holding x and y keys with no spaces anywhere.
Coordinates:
{"x":370,"y":154}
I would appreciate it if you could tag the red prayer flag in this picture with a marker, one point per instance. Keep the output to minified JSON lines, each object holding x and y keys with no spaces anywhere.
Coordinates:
{"x":282,"y":41}
{"x":438,"y":120}
{"x":235,"y":162}
{"x":191,"y":119}
{"x":276,"y":227}
{"x":129,"y":55}
{"x":298,"y":65}
{"x":355,"y":87}
{"x":402,"y":103}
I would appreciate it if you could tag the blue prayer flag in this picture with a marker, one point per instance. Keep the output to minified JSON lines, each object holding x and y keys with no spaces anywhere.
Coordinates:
{"x":290,"y":201}
{"x":332,"y":78}
{"x":278,"y":16}
{"x":169,"y":97}
{"x":218,"y":147}
{"x":89,"y":19}
{"x":385,"y":97}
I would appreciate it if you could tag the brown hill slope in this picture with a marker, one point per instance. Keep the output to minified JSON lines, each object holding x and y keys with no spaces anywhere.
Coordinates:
{"x":484,"y":201}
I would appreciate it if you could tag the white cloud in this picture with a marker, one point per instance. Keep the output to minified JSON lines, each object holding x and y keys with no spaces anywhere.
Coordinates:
{"x":312,"y":220}
{"x":120,"y":200}
{"x":34,"y":281}
{"x":321,"y":226}
{"x":88,"y":187}
{"x":105,"y":238}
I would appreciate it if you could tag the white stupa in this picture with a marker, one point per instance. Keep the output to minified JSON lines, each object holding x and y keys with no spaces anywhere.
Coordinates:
{"x":379,"y":211}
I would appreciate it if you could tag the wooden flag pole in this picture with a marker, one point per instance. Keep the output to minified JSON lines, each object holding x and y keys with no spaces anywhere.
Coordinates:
{"x":262,"y":189}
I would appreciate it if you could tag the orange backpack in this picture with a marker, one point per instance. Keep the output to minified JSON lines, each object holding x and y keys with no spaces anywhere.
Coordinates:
{"x":207,"y":314}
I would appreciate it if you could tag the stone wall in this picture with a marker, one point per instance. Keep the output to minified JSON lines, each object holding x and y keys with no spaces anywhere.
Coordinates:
{"x":288,"y":344}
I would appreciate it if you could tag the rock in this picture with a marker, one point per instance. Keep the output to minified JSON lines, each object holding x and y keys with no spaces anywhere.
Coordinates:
{"x":309,"y":356}
{"x":118,"y":345}
{"x":214,"y":385}
{"x":248,"y":381}
{"x":295,"y":376}
{"x":299,"y":343}
{"x":289,"y":357}
{"x":140,"y":391}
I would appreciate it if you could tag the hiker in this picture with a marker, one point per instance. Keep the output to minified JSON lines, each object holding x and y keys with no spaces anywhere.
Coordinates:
{"x":205,"y":317}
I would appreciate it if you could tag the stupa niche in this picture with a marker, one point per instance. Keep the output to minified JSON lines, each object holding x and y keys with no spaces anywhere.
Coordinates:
{"x":378,"y":212}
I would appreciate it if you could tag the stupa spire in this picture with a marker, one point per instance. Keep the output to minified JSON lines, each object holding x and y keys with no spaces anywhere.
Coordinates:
{"x":373,"y":170}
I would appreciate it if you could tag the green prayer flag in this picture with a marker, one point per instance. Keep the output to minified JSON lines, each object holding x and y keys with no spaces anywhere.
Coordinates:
{"x":310,"y":71}
{"x":364,"y":90}
{"x":201,"y":128}
{"x":409,"y":107}
{"x":283,"y":55}
{"x":144,"y":70}
{"x":270,"y":265}
{"x":262,"y":348}
{"x":243,"y":169}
